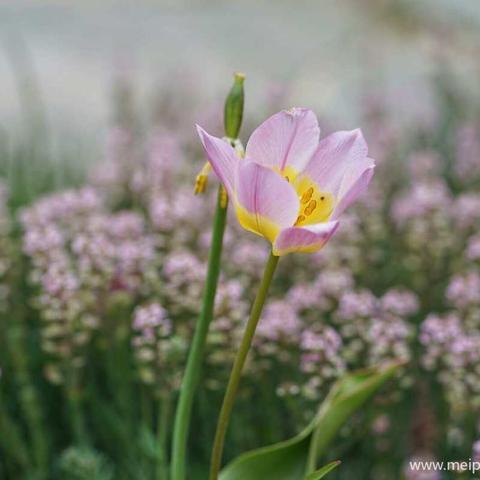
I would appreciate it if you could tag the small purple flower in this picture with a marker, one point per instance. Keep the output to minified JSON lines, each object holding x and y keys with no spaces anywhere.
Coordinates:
{"x":400,"y":302}
{"x":148,"y":318}
{"x":357,"y":304}
{"x":422,"y":199}
{"x":473,"y":248}
{"x":464,"y":290}
{"x":279,"y":323}
{"x":321,"y":351}
{"x":467,"y":210}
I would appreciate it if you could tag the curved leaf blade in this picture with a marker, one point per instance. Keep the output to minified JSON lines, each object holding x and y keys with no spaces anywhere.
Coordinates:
{"x":323,"y":471}
{"x":287,"y":460}
{"x":345,"y":398}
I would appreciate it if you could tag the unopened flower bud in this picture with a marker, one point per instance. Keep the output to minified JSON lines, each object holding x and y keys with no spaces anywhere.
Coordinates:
{"x":233,"y":112}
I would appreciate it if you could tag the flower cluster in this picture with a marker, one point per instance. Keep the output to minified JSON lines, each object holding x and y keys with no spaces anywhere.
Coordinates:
{"x":83,"y":258}
{"x":231,"y":309}
{"x":453,"y":350}
{"x":328,"y":327}
{"x":156,"y":349}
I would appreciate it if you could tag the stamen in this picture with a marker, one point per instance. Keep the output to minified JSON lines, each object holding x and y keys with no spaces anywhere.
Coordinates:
{"x":200,"y":183}
{"x":223,"y":197}
{"x":310,"y":208}
{"x":314,"y":204}
{"x":202,"y":178}
{"x":307,"y":195}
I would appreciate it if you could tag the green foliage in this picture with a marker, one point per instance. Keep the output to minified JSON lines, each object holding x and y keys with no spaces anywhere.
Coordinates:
{"x":323,"y":471}
{"x":288,"y":460}
{"x":81,"y":463}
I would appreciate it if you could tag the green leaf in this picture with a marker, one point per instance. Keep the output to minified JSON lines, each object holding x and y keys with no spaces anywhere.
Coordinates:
{"x":287,"y":460}
{"x":323,"y":471}
{"x":345,"y":398}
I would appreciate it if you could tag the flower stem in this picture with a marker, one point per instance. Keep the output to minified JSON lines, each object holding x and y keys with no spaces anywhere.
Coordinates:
{"x":238,"y":365}
{"x":163,"y":423}
{"x":75,"y":409}
{"x":192,"y":370}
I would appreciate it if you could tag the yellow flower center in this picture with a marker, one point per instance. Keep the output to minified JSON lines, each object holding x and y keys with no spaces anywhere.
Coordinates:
{"x":315,"y":206}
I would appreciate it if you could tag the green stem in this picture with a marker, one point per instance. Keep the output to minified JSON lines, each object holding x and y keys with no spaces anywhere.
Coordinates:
{"x":238,"y":365}
{"x":194,"y":362}
{"x":75,"y":407}
{"x":162,"y":435}
{"x":28,"y":397}
{"x":146,"y":407}
{"x":76,"y":415}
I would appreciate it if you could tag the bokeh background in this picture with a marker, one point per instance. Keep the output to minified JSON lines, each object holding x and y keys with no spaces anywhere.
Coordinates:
{"x":328,"y":53}
{"x":103,"y":245}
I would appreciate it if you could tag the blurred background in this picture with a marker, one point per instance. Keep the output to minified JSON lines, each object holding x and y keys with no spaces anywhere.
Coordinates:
{"x":103,"y":245}
{"x":65,"y":55}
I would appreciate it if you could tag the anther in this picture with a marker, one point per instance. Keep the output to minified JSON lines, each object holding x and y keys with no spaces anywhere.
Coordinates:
{"x":200,"y":184}
{"x":307,"y":195}
{"x":310,"y":208}
{"x":202,"y":179}
{"x":223,"y":197}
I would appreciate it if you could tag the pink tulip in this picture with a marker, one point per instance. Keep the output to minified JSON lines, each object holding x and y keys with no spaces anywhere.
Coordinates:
{"x":291,"y":188}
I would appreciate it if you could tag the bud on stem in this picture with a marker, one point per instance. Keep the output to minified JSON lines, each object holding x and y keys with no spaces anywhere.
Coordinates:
{"x":233,"y":121}
{"x":233,"y":112}
{"x":233,"y":115}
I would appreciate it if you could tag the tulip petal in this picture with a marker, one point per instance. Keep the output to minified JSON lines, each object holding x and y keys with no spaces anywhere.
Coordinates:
{"x":341,"y":167}
{"x":221,"y":156}
{"x":335,"y":155}
{"x":265,"y":202}
{"x":354,"y":183}
{"x":307,"y":239}
{"x":288,"y":138}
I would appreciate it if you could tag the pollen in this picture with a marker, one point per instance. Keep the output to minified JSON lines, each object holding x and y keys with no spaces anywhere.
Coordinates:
{"x":202,"y":178}
{"x":200,"y":183}
{"x":316,"y":205}
{"x":307,"y":195}
{"x":223,"y":197}
{"x":310,"y":208}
